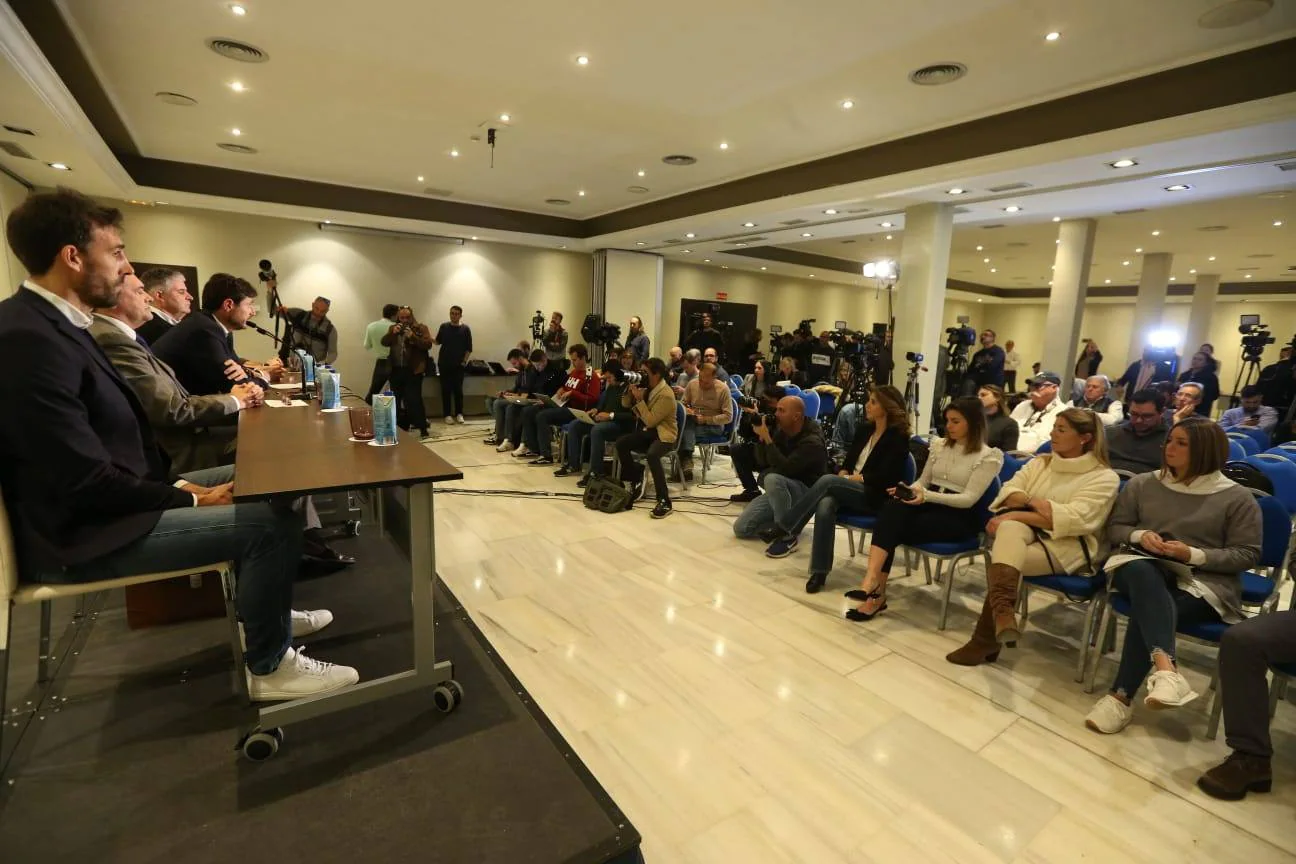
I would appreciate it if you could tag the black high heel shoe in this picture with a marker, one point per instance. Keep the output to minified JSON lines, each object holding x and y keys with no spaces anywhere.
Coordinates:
{"x":855,"y":614}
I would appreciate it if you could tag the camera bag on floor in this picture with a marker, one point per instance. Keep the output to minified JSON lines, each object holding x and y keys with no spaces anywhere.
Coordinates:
{"x":607,"y":495}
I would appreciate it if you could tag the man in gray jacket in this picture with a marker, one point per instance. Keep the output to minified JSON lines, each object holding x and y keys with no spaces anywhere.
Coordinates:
{"x":792,"y":457}
{"x":1135,"y":444}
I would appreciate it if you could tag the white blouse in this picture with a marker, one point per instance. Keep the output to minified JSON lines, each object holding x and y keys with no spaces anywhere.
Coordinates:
{"x":965,"y":476}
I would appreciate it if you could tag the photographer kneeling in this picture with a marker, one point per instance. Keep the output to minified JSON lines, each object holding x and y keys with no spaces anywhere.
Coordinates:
{"x":743,"y":454}
{"x":655,"y":408}
{"x":936,"y":509}
{"x":792,"y":457}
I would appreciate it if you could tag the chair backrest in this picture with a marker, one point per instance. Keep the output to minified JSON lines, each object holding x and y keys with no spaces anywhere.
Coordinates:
{"x":1236,"y":451}
{"x":1257,"y":435}
{"x":1275,"y":531}
{"x":827,"y":404}
{"x":1011,"y":465}
{"x":1046,"y":447}
{"x":1246,"y":441}
{"x":1288,"y":453}
{"x":1282,"y":474}
{"x":791,"y":389}
{"x":982,"y":506}
{"x":681,"y":416}
{"x":8,"y":562}
{"x":811,"y":400}
{"x":734,"y":413}
{"x":910,"y":469}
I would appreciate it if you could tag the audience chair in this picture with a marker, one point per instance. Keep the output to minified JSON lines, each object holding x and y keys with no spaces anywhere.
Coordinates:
{"x":1237,"y":452}
{"x":812,"y":403}
{"x":827,"y":405}
{"x":1068,"y":587}
{"x":1282,"y":452}
{"x":863,"y":523}
{"x":14,"y":592}
{"x":958,"y":550}
{"x":1281,"y":473}
{"x":707,"y":444}
{"x":1282,"y":675}
{"x":1259,"y":436}
{"x":1258,"y":591}
{"x":1011,"y":465}
{"x":1246,"y":442}
{"x":1046,"y":447}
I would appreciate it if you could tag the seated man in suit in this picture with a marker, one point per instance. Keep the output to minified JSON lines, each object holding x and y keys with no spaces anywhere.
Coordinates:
{"x":195,"y":431}
{"x":201,"y":347}
{"x":82,"y":476}
{"x":169,"y":301}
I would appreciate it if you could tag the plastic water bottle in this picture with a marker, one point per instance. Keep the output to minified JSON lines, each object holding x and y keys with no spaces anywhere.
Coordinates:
{"x":308,"y":367}
{"x":384,"y":417}
{"x":330,"y":388}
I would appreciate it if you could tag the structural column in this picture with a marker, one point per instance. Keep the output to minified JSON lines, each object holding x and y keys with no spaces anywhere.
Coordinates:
{"x":1205,"y":293}
{"x":920,"y":295}
{"x":626,"y":284}
{"x":1067,"y":298}
{"x":1150,"y":302}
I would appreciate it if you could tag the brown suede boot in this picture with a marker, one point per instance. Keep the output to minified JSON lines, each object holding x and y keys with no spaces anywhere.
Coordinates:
{"x":1001,"y":595}
{"x":982,"y":648}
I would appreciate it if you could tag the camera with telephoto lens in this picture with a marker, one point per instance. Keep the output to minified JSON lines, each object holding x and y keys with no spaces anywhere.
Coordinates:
{"x":267,"y":270}
{"x":961,"y":336}
{"x":913,"y":357}
{"x":1255,"y":336}
{"x":634,"y":379}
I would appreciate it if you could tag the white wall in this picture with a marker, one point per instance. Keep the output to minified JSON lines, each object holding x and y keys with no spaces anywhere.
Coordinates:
{"x":12,"y":194}
{"x":498,"y":285}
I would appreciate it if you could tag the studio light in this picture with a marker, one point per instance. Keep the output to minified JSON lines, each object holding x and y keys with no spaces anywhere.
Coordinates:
{"x":1164,"y":339}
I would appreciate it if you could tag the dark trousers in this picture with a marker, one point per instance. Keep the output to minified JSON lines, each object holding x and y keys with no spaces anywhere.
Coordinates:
{"x":644,"y":441}
{"x":408,"y":388}
{"x":1010,"y":381}
{"x":1158,"y":607}
{"x":545,"y":421}
{"x":381,"y":374}
{"x":528,"y":433}
{"x":901,"y":524}
{"x":826,"y":497}
{"x":452,"y":378}
{"x":743,"y":457}
{"x":1246,"y":652}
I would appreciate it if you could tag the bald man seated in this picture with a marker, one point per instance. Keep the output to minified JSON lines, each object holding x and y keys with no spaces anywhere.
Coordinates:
{"x":791,"y":456}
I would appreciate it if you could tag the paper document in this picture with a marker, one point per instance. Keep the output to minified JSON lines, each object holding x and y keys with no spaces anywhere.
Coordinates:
{"x":553,"y":401}
{"x":275,"y":403}
{"x":583,"y":416}
{"x":1178,"y":568}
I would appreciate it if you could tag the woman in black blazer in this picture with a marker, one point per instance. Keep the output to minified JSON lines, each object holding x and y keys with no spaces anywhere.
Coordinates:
{"x":874,"y":463}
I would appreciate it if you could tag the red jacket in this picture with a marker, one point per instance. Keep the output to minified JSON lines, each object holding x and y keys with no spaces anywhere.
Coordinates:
{"x":582,"y":390}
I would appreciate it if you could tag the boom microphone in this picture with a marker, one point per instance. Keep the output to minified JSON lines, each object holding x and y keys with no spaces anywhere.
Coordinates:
{"x":264,"y":332}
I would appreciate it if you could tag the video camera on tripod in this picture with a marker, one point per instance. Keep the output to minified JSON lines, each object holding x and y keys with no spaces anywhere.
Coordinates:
{"x":958,"y":339}
{"x":1255,"y":336}
{"x":537,"y":326}
{"x":596,"y":331}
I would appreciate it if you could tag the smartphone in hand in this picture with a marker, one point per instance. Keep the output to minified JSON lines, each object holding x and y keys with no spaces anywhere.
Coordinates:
{"x":904,"y":493}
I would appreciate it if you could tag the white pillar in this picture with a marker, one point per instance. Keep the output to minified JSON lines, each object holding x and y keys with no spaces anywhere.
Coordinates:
{"x":920,"y":295}
{"x":1205,"y":293}
{"x":1150,"y":302}
{"x":626,"y":284}
{"x":1067,"y":298}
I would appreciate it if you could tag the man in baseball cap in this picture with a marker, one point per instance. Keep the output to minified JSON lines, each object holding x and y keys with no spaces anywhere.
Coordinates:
{"x":1036,"y":414}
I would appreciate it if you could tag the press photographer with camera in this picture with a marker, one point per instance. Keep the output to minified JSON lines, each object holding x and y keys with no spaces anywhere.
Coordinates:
{"x":791,"y":455}
{"x":312,"y":331}
{"x":408,"y":342}
{"x":654,"y":407}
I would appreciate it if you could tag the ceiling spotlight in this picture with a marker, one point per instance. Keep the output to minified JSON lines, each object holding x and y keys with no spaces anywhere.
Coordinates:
{"x":641,"y":172}
{"x":237,"y":86}
{"x":764,"y":268}
{"x":724,"y":266}
{"x":504,"y":118}
{"x":994,"y":270}
{"x":749,"y":224}
{"x":706,"y":260}
{"x":474,"y":238}
{"x":640,"y":243}
{"x":979,"y":248}
{"x":1057,"y":218}
{"x":1211,"y":258}
{"x":420,"y":178}
{"x":1139,"y":249}
{"x":1178,"y":187}
{"x":848,"y":104}
{"x":984,"y":260}
{"x":740,"y":244}
{"x":886,"y":224}
{"x":1248,"y":275}
{"x":806,"y":234}
{"x":1278,"y":223}
{"x":582,"y":60}
{"x":686,"y":251}
{"x":580,"y":193}
{"x":955,"y":191}
{"x":454,"y":154}
{"x":1122,"y":163}
{"x":690,"y":235}
{"x":888,"y":236}
{"x":562,"y":247}
{"x":979,"y":300}
{"x":236,"y":131}
{"x":724,"y":145}
{"x":328,"y":221}
{"x":1124,"y":263}
{"x":1012,"y":208}
{"x":1106,"y":281}
{"x":238,"y":10}
{"x":1192,"y":271}
{"x":58,"y":166}
{"x":1156,"y":233}
{"x":811,"y":275}
{"x":830,"y":212}
{"x":1174,"y":278}
{"x":1052,"y":37}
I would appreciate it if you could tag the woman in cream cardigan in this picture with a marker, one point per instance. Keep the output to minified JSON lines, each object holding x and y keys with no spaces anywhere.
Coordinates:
{"x":1050,"y":517}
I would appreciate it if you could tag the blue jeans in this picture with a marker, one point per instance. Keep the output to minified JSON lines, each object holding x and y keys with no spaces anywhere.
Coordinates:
{"x":688,"y":435}
{"x":1158,"y":606}
{"x":828,"y":495}
{"x":263,"y":540}
{"x":765,"y":511}
{"x":545,"y":421}
{"x":599,"y":435}
{"x":527,"y":427}
{"x":499,"y":409}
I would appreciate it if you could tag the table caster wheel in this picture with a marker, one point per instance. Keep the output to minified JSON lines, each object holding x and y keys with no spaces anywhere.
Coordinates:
{"x":261,"y":745}
{"x":353,"y":528}
{"x":447,"y":696}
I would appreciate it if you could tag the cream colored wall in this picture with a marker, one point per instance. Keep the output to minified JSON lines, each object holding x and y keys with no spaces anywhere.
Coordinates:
{"x":12,"y":194}
{"x":498,"y":285}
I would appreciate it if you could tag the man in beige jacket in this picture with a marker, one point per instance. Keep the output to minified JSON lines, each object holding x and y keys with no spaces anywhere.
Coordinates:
{"x":654,"y":408}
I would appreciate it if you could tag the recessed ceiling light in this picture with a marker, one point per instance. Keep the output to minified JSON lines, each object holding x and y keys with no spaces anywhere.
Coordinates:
{"x":454,"y":154}
{"x":726,"y":267}
{"x":1123,"y":163}
{"x":237,"y":9}
{"x":1174,"y":278}
{"x":640,"y":243}
{"x":886,"y":224}
{"x":1192,"y":271}
{"x":1124,"y":263}
{"x":888,"y":236}
{"x":806,"y":234}
{"x":984,"y":260}
{"x":474,"y":238}
{"x":1211,"y":258}
{"x":979,"y":300}
{"x":1248,"y":275}
{"x":1052,"y":37}
{"x":686,"y":251}
{"x":1057,"y":242}
{"x":1139,"y":249}
{"x":1106,"y":281}
{"x":848,"y":104}
{"x":740,"y":244}
{"x":58,"y":166}
{"x":1012,"y":208}
{"x":994,"y":270}
{"x":504,"y":118}
{"x":420,"y":178}
{"x":724,"y":145}
{"x":1278,"y":224}
{"x":1178,"y":187}
{"x":641,"y":172}
{"x":690,"y":235}
{"x":1057,"y":218}
{"x":237,"y":86}
{"x":811,"y":275}
{"x":979,"y":248}
{"x":749,"y":224}
{"x":1156,"y":233}
{"x":236,"y":131}
{"x":955,"y":191}
{"x":582,"y":60}
{"x":764,"y":268}
{"x":706,"y":260}
{"x":830,"y":212}
{"x":581,"y":193}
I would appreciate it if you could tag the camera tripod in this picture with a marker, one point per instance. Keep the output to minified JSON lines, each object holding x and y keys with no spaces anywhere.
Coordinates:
{"x":913,"y":404}
{"x":1248,"y":373}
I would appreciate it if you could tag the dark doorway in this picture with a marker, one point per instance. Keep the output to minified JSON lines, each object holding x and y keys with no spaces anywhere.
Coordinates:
{"x":735,"y":321}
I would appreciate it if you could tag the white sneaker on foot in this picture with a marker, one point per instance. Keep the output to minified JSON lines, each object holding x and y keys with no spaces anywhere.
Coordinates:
{"x":1168,"y":689}
{"x":504,"y":446}
{"x":449,"y":420}
{"x":1109,"y":716}
{"x":298,"y":676}
{"x":520,"y":449}
{"x":459,"y":419}
{"x":310,"y":621}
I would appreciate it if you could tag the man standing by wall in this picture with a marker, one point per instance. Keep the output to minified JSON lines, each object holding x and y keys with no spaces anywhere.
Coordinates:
{"x":1012,"y":362}
{"x":312,"y":331}
{"x":374,"y":334}
{"x":706,"y":337}
{"x":638,"y":342}
{"x":986,"y":366}
{"x":169,"y":300}
{"x":455,"y":339}
{"x":555,"y":339}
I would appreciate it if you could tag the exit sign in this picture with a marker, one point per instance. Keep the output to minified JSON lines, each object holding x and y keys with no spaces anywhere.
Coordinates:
{"x":722,"y":295}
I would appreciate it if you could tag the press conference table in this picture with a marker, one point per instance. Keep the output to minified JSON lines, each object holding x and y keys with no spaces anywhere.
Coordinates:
{"x":291,"y":452}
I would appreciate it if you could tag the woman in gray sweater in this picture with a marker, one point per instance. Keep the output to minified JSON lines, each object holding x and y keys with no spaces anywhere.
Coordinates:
{"x":1204,"y":530}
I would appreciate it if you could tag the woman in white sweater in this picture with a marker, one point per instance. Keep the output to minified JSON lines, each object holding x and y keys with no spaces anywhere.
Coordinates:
{"x":1051,"y":514}
{"x":959,"y":470}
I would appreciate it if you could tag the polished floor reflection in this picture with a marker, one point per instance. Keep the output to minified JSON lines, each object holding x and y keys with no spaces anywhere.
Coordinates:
{"x":737,"y":719}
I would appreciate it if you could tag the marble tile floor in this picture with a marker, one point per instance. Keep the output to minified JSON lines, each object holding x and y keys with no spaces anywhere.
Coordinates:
{"x":738,"y":719}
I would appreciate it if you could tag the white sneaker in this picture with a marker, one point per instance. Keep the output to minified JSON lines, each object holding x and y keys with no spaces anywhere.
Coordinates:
{"x":310,"y":621}
{"x":520,"y":449}
{"x":504,"y":446}
{"x":1109,"y":716}
{"x":1168,"y":689}
{"x":459,"y":419}
{"x":298,"y":676}
{"x":449,"y":420}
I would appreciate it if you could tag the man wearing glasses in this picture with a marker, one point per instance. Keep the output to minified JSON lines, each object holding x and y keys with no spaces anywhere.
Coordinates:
{"x":1135,"y":445}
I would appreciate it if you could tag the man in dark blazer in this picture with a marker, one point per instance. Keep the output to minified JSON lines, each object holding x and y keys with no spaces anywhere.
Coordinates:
{"x":82,"y":477}
{"x":169,"y":301}
{"x":201,"y":347}
{"x":195,"y":431}
{"x":1144,"y":373}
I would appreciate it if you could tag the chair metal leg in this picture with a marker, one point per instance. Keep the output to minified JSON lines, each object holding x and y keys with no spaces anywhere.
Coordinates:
{"x":5,"y":632}
{"x":1085,"y":637}
{"x":43,"y":663}
{"x":1217,"y":705}
{"x":1098,"y":647}
{"x":229,"y":589}
{"x":927,"y":571}
{"x":850,"y":539}
{"x":946,"y":587}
